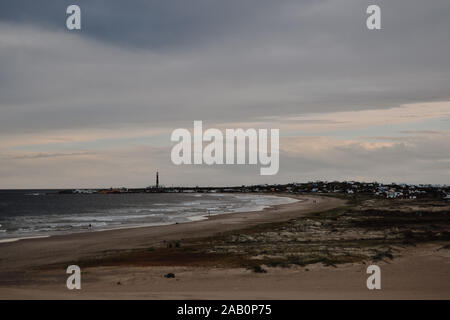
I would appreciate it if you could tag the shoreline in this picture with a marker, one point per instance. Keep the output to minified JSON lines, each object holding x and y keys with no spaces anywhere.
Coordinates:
{"x":191,"y":219}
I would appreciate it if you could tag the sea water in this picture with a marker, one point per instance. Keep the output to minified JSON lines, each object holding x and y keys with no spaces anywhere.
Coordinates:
{"x":40,"y":213}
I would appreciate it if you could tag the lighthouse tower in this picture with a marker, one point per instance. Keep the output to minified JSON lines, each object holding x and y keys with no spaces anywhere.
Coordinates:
{"x":157,"y":180}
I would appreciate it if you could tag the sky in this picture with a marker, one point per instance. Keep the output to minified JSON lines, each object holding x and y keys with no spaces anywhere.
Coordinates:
{"x":96,"y":107}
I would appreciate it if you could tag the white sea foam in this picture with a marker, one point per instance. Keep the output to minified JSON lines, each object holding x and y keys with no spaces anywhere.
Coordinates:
{"x":22,"y":238}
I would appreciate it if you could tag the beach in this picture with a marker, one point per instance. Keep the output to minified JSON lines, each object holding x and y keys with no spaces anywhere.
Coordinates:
{"x":217,"y":258}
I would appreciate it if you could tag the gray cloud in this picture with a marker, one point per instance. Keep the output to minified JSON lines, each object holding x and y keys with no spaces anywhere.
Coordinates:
{"x":49,"y":155}
{"x":153,"y":24}
{"x":288,"y":58}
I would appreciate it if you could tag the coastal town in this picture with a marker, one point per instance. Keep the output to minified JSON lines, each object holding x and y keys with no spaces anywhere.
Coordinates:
{"x":388,"y":191}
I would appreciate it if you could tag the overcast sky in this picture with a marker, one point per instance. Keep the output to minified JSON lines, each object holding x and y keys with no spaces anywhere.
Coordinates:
{"x":96,"y":107}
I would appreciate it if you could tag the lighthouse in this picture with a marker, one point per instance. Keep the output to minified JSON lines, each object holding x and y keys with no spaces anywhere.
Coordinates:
{"x":157,"y":180}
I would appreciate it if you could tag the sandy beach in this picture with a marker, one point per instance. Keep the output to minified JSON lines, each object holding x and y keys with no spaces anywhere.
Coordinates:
{"x":131,"y":263}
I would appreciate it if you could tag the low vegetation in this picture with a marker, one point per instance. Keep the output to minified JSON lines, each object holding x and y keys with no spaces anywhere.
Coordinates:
{"x":367,"y":230}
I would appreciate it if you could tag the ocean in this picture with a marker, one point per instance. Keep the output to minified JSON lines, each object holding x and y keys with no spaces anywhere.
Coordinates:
{"x":41,"y":213}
